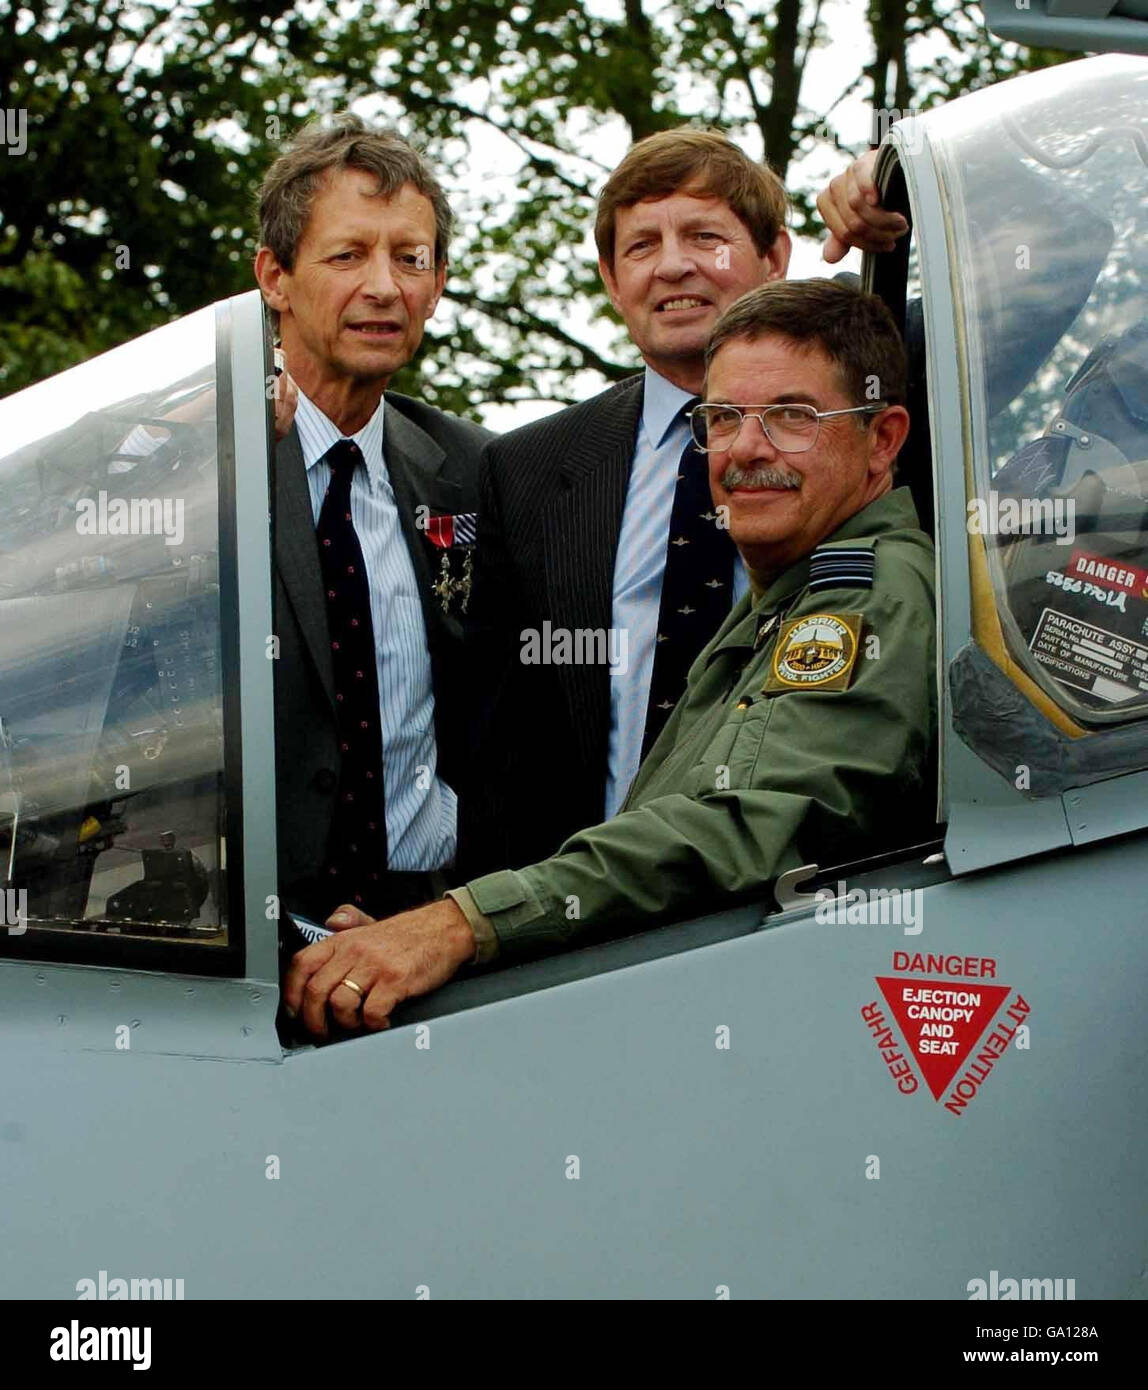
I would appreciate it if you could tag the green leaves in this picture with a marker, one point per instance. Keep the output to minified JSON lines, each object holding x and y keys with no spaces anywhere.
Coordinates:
{"x":150,"y":126}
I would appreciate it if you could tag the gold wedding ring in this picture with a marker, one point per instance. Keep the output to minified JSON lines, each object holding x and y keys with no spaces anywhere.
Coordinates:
{"x":352,"y":985}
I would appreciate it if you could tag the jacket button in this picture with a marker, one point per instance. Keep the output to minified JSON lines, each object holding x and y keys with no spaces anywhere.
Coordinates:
{"x":325,"y":780}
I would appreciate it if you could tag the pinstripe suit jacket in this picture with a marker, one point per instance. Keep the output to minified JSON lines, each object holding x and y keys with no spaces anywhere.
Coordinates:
{"x":552,"y":498}
{"x":432,"y":460}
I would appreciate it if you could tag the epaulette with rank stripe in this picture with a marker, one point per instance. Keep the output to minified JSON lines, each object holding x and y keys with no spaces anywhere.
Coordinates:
{"x":831,"y":566}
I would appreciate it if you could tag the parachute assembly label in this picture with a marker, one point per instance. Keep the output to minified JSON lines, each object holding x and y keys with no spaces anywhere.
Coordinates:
{"x":1091,"y":658}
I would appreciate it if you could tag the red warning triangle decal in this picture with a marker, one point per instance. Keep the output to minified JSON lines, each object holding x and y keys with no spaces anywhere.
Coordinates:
{"x":940,"y":1021}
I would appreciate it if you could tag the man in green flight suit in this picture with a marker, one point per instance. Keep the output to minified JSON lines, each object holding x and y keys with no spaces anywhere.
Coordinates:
{"x":807,"y":730}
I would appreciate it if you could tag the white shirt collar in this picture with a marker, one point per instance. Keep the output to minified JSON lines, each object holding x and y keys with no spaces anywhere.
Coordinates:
{"x":317,"y":433}
{"x":662,"y":405}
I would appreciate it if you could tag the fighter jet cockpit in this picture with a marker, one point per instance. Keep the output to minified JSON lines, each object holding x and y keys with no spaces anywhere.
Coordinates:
{"x":111,"y":691}
{"x":1042,"y":204}
{"x":1051,"y":227}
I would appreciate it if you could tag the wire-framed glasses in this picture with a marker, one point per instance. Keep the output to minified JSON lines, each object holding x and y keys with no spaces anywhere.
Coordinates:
{"x":792,"y":428}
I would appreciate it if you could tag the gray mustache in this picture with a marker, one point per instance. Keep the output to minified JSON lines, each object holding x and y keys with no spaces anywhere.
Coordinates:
{"x":759,"y":478}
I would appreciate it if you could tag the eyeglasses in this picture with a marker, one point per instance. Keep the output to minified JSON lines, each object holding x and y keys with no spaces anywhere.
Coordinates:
{"x":790,"y":428}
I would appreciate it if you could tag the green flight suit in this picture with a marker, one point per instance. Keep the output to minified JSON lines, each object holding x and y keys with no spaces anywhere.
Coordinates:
{"x":745,"y":783}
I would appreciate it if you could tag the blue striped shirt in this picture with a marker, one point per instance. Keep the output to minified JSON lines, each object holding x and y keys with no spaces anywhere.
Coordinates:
{"x":420,"y":808}
{"x":638,"y":569}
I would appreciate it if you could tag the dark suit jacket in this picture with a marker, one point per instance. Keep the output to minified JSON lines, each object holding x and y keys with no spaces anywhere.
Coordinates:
{"x":432,"y":459}
{"x":552,"y":499}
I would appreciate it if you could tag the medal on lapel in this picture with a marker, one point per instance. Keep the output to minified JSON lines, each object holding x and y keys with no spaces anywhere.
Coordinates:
{"x":454,"y":536}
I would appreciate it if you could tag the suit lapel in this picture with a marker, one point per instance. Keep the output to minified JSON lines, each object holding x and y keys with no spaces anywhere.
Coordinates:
{"x":297,"y":556}
{"x":415,"y":466}
{"x":580,"y":542}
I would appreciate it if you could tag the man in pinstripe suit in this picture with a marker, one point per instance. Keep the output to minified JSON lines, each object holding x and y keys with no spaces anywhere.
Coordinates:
{"x":576,"y":509}
{"x":354,"y":231}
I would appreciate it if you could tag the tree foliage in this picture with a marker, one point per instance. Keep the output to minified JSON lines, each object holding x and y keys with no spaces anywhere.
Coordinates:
{"x":149,"y":126}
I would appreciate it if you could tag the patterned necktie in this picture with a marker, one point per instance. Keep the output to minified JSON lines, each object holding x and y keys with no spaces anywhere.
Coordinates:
{"x":357,"y":848}
{"x":697,"y":588}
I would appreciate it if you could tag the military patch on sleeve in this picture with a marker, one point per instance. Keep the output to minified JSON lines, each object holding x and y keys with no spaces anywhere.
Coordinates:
{"x":831,"y":566}
{"x":816,"y":653}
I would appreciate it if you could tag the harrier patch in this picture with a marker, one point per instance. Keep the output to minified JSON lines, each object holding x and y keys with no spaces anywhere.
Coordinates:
{"x":816,"y":653}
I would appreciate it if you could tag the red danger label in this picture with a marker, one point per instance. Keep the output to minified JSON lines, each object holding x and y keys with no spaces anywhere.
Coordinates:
{"x":943,"y":1023}
{"x":1112,"y":574}
{"x":940,"y":1021}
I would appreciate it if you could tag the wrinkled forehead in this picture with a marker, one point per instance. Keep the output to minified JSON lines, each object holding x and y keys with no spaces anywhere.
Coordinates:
{"x":776,"y":366}
{"x":356,"y":203}
{"x":692,"y":201}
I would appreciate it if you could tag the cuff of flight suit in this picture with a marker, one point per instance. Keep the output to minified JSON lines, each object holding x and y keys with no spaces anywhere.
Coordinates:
{"x":485,"y":937}
{"x":512,"y":907}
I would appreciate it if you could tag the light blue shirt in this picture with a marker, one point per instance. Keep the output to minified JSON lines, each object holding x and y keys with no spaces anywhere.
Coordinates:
{"x":638,"y":569}
{"x":421,"y":810}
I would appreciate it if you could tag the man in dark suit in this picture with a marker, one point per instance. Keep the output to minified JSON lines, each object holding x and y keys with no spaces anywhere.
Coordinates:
{"x":600,"y":572}
{"x":374,"y":527}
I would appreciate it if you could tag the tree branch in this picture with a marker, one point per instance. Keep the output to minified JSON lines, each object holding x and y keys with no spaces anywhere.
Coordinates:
{"x":503,"y":311}
{"x":458,"y":108}
{"x":805,"y":52}
{"x":745,"y":72}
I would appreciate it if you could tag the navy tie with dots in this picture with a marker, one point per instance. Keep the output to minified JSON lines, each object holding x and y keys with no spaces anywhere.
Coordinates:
{"x":357,"y":849}
{"x":697,"y":587}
